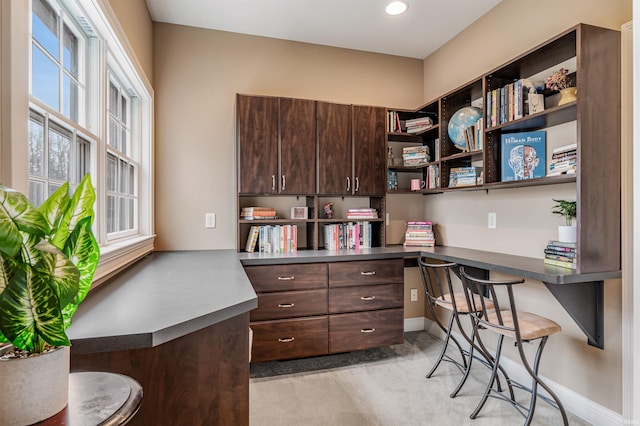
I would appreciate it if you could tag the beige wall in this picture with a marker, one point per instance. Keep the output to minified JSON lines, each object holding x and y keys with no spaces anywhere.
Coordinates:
{"x":197,"y":74}
{"x":524,"y":218}
{"x":135,"y":20}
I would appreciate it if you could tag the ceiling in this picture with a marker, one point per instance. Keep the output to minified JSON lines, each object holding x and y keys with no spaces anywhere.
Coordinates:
{"x":352,"y":24}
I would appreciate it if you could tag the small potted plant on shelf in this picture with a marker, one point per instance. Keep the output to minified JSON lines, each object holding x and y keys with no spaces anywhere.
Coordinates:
{"x":561,"y":82}
{"x":48,"y":256}
{"x":566,"y":209}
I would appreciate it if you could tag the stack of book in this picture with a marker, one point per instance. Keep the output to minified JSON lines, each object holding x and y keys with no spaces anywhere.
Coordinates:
{"x":561,"y":254}
{"x":258,"y":213}
{"x":415,"y":156}
{"x":348,"y":235}
{"x":417,"y":125}
{"x":463,"y":176}
{"x":272,"y":239}
{"x":564,"y":160}
{"x":364,"y":213}
{"x":419,"y":234}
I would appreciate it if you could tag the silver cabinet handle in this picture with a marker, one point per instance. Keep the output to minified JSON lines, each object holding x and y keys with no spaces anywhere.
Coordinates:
{"x":286,"y":305}
{"x":367,"y":298}
{"x":367,"y":330}
{"x":273,"y":182}
{"x":357,"y":184}
{"x":286,"y":339}
{"x":348,"y":183}
{"x":289,"y":278}
{"x":368,"y":273}
{"x":284,"y":182}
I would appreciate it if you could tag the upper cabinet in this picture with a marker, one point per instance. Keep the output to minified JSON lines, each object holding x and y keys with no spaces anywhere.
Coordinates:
{"x":369,"y":155}
{"x":257,"y":144}
{"x":297,"y":146}
{"x":334,"y":149}
{"x":276,"y":145}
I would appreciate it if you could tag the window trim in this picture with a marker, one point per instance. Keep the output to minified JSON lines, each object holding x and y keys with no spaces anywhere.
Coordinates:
{"x":14,"y":116}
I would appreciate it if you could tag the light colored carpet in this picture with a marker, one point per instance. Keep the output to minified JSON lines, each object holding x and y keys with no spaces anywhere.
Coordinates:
{"x":383,"y":386}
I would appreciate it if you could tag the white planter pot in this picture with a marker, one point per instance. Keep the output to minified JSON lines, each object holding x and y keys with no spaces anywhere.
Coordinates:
{"x":567,"y":234}
{"x":34,"y":388}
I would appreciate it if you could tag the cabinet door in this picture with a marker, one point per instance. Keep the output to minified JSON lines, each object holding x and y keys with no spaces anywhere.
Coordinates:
{"x":334,"y":149}
{"x":257,"y":133}
{"x":369,"y":151}
{"x":297,"y":146}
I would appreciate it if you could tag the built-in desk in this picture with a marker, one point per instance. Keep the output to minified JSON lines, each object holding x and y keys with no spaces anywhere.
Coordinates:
{"x":580,"y":294}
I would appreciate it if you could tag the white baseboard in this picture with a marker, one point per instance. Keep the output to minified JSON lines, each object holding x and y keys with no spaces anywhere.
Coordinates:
{"x":414,"y":324}
{"x":573,"y":402}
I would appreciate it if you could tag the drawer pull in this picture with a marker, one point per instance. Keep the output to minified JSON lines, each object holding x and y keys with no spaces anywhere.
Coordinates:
{"x":286,"y":305}
{"x":367,"y":298}
{"x":289,"y":278}
{"x":367,"y":330}
{"x":286,"y":339}
{"x":368,"y":273}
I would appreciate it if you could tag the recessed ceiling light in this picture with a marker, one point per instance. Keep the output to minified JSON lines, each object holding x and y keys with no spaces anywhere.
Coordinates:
{"x":396,"y":8}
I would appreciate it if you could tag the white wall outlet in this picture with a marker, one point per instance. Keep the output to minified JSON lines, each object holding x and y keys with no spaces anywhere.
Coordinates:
{"x":210,"y":220}
{"x":414,"y":294}
{"x":492,"y":221}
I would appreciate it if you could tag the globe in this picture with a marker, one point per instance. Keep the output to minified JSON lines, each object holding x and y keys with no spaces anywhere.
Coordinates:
{"x":461,"y":119}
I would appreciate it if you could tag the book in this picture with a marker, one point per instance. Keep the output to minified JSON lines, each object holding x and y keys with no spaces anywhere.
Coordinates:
{"x":523,"y":155}
{"x":560,"y":263}
{"x":562,"y":244}
{"x":252,"y":238}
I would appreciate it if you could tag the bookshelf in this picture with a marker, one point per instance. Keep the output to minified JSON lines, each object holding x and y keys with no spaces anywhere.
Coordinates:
{"x":591,"y":122}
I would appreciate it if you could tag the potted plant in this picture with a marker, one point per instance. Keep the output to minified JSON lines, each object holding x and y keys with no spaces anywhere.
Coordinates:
{"x":48,"y":256}
{"x":561,"y":82}
{"x":566,"y":209}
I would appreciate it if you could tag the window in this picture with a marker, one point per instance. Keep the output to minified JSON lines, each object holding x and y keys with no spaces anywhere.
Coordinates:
{"x":89,"y":111}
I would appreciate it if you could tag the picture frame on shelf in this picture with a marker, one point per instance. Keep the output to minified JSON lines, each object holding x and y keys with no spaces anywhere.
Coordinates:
{"x":299,"y":212}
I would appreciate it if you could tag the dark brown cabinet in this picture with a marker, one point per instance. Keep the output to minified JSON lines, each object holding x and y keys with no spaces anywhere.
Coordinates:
{"x":276,"y":145}
{"x":320,"y":308}
{"x":369,"y":152}
{"x":257,"y":144}
{"x":334,"y":149}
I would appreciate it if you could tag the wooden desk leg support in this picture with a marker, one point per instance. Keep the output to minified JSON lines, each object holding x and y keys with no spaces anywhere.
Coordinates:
{"x":584,"y":302}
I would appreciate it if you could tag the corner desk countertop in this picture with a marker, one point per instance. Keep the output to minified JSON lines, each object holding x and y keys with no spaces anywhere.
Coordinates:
{"x":167,"y":295}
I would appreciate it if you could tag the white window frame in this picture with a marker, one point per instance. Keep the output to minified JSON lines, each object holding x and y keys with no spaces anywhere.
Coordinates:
{"x":14,"y":116}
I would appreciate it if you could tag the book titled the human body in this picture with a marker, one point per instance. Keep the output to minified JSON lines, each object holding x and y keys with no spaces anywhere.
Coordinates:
{"x":523,"y":155}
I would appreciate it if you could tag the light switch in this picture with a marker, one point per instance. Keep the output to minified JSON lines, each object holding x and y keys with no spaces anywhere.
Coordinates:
{"x":210,"y":220}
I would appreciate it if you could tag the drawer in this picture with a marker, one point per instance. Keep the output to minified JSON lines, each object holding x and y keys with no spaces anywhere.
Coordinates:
{"x":289,"y":304}
{"x":362,"y":330}
{"x":366,"y":272}
{"x":366,"y":298}
{"x":303,"y":276}
{"x":286,"y":339}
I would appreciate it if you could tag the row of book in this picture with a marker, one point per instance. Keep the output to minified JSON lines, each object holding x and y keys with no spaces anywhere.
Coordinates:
{"x":413,"y":125}
{"x":564,"y":160}
{"x":258,"y":213}
{"x":272,"y":239}
{"x":561,"y":254}
{"x":415,"y":155}
{"x":362,"y":213}
{"x":511,"y":102}
{"x":348,"y":235}
{"x":433,"y":177}
{"x":419,"y":234}
{"x":473,"y":137}
{"x":464,"y":176}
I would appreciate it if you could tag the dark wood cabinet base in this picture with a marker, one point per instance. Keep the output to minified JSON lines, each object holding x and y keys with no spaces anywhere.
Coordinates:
{"x":201,"y":378}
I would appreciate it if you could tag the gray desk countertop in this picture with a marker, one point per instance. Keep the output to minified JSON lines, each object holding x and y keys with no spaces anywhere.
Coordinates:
{"x":163,"y":296}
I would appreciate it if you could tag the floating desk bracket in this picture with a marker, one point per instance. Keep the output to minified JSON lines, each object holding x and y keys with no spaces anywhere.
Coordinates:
{"x":584,"y":302}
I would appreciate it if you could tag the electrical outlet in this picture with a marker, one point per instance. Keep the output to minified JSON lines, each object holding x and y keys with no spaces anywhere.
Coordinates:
{"x":414,"y":294}
{"x":492,"y":221}
{"x":210,"y":220}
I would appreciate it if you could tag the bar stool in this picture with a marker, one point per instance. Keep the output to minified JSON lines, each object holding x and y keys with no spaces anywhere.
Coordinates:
{"x":519,"y":325}
{"x":439,"y":292}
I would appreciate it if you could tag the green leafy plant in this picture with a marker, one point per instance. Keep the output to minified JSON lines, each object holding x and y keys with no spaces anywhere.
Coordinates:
{"x":48,"y":256}
{"x":566,"y":209}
